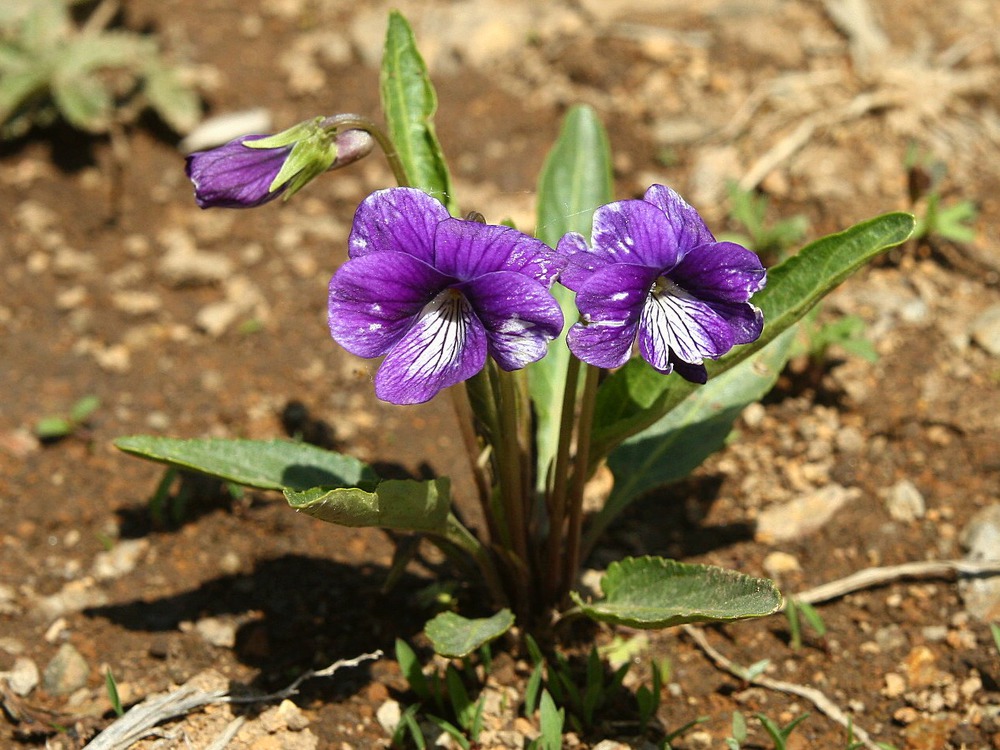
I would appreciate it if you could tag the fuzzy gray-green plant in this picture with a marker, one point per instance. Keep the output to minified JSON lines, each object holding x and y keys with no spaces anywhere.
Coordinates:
{"x":93,"y":77}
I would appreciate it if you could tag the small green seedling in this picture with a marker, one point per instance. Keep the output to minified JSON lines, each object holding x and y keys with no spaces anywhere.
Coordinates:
{"x":666,"y":743}
{"x":796,"y":611}
{"x":447,"y":695}
{"x":112,"y":688}
{"x":56,"y":427}
{"x":953,"y":222}
{"x":738,"y":732}
{"x":649,"y":698}
{"x":749,"y":209}
{"x":550,"y":722}
{"x":778,"y":734}
{"x":995,"y":630}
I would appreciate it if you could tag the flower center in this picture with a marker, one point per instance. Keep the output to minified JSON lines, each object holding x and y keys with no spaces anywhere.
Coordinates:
{"x":665,"y":287}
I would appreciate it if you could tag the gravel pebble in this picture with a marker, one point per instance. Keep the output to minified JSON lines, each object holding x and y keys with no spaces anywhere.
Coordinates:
{"x":67,"y":672}
{"x":803,"y":515}
{"x":985,"y":330}
{"x":904,"y":502}
{"x":981,"y":537}
{"x":23,"y":676}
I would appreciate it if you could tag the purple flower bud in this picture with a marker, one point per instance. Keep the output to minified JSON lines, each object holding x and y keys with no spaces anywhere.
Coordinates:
{"x":242,"y":174}
{"x":235,"y":175}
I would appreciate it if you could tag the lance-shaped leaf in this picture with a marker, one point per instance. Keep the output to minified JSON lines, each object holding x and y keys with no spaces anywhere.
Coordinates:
{"x":636,"y":396}
{"x":455,"y":636}
{"x":651,"y":592}
{"x":575,"y":180}
{"x":401,"y":504}
{"x":688,"y":434}
{"x":265,"y":464}
{"x":409,"y":103}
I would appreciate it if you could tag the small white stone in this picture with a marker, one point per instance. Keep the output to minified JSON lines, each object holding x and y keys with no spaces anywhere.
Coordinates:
{"x":388,"y":715}
{"x":803,"y":515}
{"x":985,"y":330}
{"x":23,"y":677}
{"x":904,"y":502}
{"x":781,"y":563}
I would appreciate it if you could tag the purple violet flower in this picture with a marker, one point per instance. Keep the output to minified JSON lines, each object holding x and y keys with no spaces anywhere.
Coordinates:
{"x":435,"y":295}
{"x":655,"y":273}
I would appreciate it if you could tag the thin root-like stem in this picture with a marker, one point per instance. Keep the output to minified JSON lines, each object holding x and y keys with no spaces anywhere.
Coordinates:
{"x":823,"y":704}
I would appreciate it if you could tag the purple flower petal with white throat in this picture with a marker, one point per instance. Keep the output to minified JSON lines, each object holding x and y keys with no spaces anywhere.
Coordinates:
{"x":435,"y":295}
{"x":655,"y":274}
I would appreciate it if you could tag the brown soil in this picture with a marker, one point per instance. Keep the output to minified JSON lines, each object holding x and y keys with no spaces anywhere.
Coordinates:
{"x":690,"y":97}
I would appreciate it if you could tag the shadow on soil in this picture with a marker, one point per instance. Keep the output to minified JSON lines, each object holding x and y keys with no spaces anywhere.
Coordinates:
{"x":295,"y":612}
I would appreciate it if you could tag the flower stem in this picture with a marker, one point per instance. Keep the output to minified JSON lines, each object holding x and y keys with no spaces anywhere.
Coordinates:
{"x":461,"y":537}
{"x":588,"y":403}
{"x":511,"y":459}
{"x":560,"y":476}
{"x":359,"y":122}
{"x":466,"y":417}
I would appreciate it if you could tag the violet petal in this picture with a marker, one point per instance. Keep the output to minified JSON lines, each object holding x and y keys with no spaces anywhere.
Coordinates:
{"x":519,"y":314}
{"x":689,"y":228}
{"x":636,"y":232}
{"x":467,"y":249}
{"x":675,"y":322}
{"x":396,"y":219}
{"x":375,"y":299}
{"x":446,"y":345}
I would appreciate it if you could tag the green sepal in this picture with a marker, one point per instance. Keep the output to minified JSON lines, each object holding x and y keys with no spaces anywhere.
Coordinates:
{"x":314,"y":150}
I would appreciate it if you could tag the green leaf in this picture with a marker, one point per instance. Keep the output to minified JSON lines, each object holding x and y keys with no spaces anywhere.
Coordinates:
{"x":109,"y":50}
{"x":84,"y":408}
{"x":651,"y":592}
{"x":174,"y":101}
{"x":112,"y":688}
{"x":575,"y":180}
{"x":50,"y":428}
{"x":550,"y":723}
{"x":636,"y":396}
{"x":265,"y":464}
{"x":409,"y":103}
{"x":697,"y":427}
{"x":409,"y":665}
{"x":84,"y":101}
{"x":455,"y":636}
{"x":403,"y":504}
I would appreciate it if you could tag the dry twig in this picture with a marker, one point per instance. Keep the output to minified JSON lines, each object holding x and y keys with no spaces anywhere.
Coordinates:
{"x":141,"y":720}
{"x":871,"y":577}
{"x":823,"y":704}
{"x":863,"y":579}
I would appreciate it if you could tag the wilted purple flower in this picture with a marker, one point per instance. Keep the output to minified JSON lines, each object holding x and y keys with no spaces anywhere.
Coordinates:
{"x":435,"y":295}
{"x":656,"y":273}
{"x":255,"y":169}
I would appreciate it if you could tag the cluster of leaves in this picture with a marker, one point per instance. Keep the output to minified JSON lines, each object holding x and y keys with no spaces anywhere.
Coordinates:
{"x":773,"y":241}
{"x":936,"y":220}
{"x":558,"y":691}
{"x":57,"y":426}
{"x":95,"y":78}
{"x":652,"y":430}
{"x":454,"y":711}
